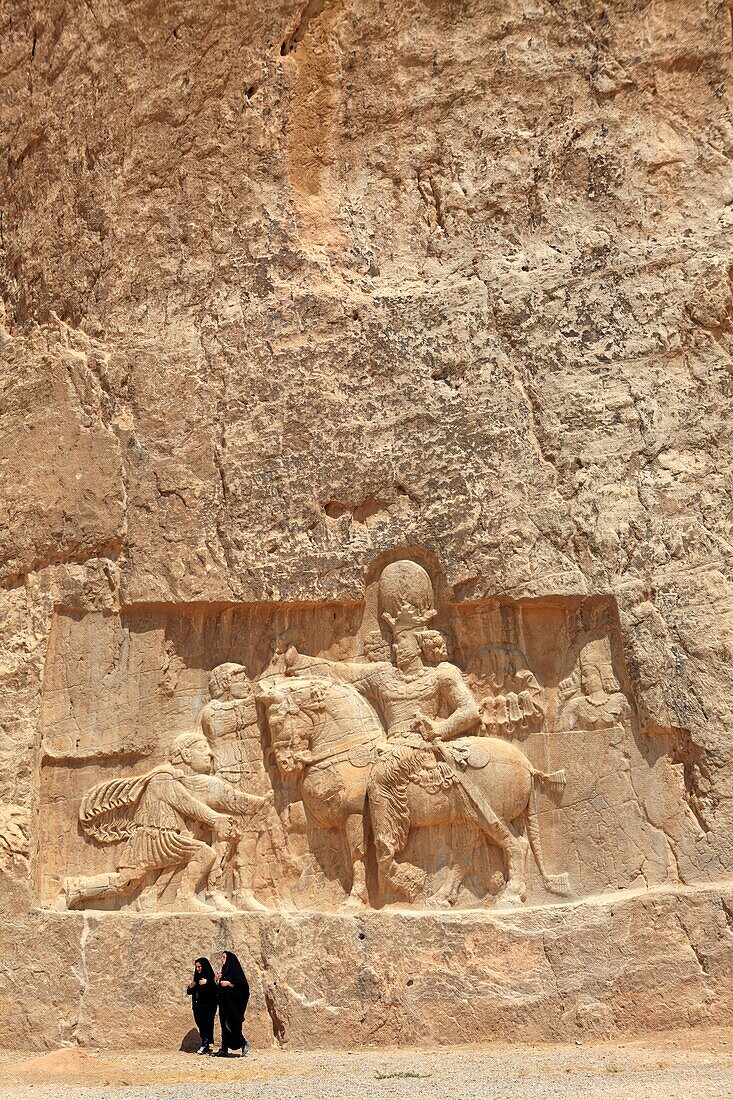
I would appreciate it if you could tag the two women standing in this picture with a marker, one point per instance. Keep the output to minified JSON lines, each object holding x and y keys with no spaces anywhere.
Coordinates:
{"x":230,"y":990}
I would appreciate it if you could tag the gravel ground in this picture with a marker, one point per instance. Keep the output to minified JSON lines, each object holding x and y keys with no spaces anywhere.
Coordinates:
{"x":666,"y":1067}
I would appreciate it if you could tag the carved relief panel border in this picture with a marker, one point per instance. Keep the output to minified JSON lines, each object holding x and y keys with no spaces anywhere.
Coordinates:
{"x":404,"y":750}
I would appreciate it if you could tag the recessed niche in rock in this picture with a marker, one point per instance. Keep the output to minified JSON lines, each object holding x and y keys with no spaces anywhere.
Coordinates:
{"x":407,"y":750}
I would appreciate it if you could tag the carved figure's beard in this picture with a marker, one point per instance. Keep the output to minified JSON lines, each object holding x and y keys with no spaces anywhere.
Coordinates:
{"x":200,"y":769}
{"x":411,"y":664}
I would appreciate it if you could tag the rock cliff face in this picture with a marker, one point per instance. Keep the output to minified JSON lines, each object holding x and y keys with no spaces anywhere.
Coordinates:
{"x":293,"y":289}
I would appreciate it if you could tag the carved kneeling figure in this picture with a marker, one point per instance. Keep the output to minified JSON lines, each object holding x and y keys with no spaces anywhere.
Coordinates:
{"x":151,"y":815}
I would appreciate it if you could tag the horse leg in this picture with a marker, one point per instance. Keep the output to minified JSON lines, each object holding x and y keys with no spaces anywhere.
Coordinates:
{"x":462,"y":863}
{"x":463,"y":842}
{"x":514,"y":850}
{"x":556,"y":884}
{"x":358,"y":896}
{"x":492,"y":811}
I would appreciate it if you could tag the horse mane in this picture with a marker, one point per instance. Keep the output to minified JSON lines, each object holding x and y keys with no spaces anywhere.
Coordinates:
{"x":287,"y":707}
{"x":349,"y":716}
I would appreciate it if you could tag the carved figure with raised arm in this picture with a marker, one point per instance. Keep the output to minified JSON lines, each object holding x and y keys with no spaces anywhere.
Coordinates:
{"x":591,"y":696}
{"x":157,"y":819}
{"x":421,"y":775}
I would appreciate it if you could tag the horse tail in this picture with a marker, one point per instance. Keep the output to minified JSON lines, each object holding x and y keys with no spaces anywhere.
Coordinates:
{"x":555,"y":782}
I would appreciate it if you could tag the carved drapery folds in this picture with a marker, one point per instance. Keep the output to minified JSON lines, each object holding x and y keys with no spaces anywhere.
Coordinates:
{"x":404,"y":751}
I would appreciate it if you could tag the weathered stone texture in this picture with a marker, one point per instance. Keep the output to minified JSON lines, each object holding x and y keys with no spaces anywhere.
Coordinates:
{"x":290,"y":286}
{"x":553,"y":973}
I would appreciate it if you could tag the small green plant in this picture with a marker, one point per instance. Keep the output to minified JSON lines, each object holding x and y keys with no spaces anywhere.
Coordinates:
{"x":402,"y":1074}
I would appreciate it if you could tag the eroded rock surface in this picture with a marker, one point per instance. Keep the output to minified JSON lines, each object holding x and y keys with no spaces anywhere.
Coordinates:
{"x":291,"y":291}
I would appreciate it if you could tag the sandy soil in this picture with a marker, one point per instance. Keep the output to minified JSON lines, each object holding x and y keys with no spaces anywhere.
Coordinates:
{"x":670,"y":1065}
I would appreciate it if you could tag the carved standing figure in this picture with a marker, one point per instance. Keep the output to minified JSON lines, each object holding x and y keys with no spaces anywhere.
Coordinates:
{"x":229,"y":722}
{"x":155,"y":817}
{"x":591,"y":696}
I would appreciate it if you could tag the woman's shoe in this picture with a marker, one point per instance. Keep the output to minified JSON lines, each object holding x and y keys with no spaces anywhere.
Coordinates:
{"x":245,"y":1048}
{"x":203,"y":1049}
{"x":223,"y":1053}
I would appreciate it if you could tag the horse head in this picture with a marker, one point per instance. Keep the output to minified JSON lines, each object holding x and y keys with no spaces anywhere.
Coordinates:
{"x":291,"y":710}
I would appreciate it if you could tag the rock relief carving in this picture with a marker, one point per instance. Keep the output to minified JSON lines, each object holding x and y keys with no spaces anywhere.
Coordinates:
{"x":428,"y":772}
{"x":382,"y":770}
{"x":152,"y":818}
{"x":591,"y":696}
{"x":511,"y":698}
{"x":14,"y":832}
{"x":229,"y":722}
{"x":327,"y":734}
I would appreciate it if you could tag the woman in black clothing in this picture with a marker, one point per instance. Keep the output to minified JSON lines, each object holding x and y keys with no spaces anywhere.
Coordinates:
{"x":203,"y":991}
{"x":233,"y":998}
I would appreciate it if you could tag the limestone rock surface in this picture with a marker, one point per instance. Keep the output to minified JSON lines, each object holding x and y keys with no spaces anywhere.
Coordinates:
{"x":292,"y":288}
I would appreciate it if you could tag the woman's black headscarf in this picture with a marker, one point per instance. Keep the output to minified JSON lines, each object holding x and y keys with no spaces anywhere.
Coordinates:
{"x":232,"y":971}
{"x":232,"y":1002}
{"x":207,"y":971}
{"x":205,"y":993}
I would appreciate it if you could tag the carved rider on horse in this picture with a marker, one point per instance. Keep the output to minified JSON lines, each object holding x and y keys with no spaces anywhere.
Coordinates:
{"x":422,"y":706}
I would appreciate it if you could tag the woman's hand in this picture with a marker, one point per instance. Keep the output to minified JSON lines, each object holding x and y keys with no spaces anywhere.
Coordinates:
{"x":191,"y":985}
{"x":226,"y":983}
{"x":202,"y":981}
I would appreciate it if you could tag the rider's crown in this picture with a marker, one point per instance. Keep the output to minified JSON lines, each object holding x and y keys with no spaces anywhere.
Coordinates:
{"x":408,"y":618}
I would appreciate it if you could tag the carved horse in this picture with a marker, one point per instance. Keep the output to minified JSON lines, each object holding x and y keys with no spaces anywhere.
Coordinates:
{"x":470,"y":771}
{"x":328,"y":734}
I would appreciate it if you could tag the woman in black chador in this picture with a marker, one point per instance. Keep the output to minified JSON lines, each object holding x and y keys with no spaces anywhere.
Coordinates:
{"x":233,"y":998}
{"x":204,"y":993}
